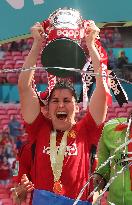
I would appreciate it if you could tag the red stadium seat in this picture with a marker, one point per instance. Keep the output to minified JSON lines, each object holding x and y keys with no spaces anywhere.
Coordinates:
{"x":115,"y":104}
{"x":111,"y":109}
{"x":12,"y":78}
{"x":37,"y":78}
{"x":9,"y":57}
{"x":4,"y":195}
{"x":8,"y":66}
{"x":2,"y":62}
{"x":10,"y":62}
{"x":12,"y":112}
{"x":18,"y":65}
{"x":4,"y":116}
{"x":4,"y":122}
{"x":2,"y":78}
{"x":7,"y":201}
{"x":44,"y":80}
{"x":16,"y":58}
{"x":3,"y":190}
{"x":16,"y":53}
{"x":8,"y":53}
{"x":122,"y":114}
{"x":120,"y":109}
{"x":11,"y":106}
{"x":19,"y":61}
{"x":2,"y":108}
{"x":29,"y":41}
{"x":43,"y":74}
{"x":25,"y":53}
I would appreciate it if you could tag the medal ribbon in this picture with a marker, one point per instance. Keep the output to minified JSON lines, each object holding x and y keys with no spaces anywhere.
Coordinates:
{"x":57,"y":154}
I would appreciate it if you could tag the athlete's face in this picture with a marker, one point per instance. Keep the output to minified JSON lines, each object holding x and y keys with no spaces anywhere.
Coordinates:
{"x":62,"y":109}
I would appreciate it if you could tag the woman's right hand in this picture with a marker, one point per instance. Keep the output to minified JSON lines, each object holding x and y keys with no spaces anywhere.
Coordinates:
{"x":26,"y":184}
{"x":20,"y":191}
{"x":37,"y":32}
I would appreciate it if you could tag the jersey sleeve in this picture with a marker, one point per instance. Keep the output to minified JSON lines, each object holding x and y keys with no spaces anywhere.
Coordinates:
{"x":33,"y":128}
{"x":94,"y":131}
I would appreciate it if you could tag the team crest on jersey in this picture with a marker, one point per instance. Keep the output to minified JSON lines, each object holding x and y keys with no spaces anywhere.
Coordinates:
{"x":72,"y":134}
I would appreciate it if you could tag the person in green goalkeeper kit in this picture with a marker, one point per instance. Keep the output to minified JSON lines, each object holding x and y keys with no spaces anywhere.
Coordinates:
{"x":113,"y":135}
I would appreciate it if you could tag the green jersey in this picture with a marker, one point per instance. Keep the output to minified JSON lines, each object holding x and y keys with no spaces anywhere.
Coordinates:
{"x":120,"y":192}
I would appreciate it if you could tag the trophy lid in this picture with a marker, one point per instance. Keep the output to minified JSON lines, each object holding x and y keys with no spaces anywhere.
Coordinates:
{"x":65,"y":18}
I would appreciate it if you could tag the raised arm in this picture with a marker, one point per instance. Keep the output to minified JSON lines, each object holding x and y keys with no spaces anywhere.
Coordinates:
{"x":98,"y":101}
{"x":30,"y":106}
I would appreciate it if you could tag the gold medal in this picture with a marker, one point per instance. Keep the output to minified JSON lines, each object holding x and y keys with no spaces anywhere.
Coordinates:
{"x":72,"y":134}
{"x":58,"y":188}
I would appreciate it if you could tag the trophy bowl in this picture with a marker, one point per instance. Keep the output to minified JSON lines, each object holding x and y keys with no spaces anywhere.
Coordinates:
{"x":63,"y":53}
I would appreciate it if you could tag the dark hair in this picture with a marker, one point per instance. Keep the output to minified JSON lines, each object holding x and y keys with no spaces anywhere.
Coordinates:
{"x":64,"y":85}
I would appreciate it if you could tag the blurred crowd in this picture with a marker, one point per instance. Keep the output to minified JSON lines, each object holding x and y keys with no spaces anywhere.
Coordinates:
{"x":111,"y":38}
{"x":12,"y":138}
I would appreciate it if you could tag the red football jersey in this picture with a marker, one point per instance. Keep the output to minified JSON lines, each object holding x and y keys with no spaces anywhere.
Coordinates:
{"x":75,"y":172}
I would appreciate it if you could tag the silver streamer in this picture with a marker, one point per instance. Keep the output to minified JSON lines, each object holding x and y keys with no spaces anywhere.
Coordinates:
{"x":111,"y":203}
{"x":6,"y":70}
{"x":112,"y":179}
